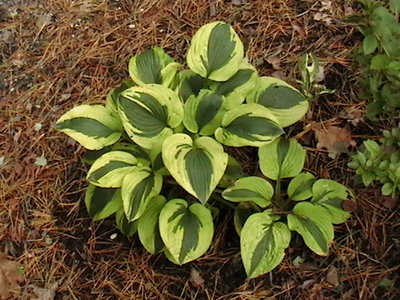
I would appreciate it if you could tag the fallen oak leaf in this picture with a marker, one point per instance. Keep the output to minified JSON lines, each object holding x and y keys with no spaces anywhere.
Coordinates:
{"x":334,"y":139}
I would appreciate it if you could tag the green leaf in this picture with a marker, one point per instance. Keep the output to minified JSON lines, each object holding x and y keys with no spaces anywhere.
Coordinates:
{"x":370,"y":43}
{"x":90,"y":156}
{"x":281,"y":159}
{"x":251,"y":188}
{"x":148,"y":225}
{"x":138,"y":187}
{"x":102,"y":202}
{"x":190,"y":84}
{"x":242,"y":212}
{"x":286,"y":103}
{"x":248,"y":125}
{"x":373,"y":148}
{"x":153,"y":66}
{"x":215,"y":51}
{"x":236,"y":88}
{"x":92,"y":126}
{"x":262,"y":243}
{"x":187,"y":231}
{"x":329,"y":195}
{"x":394,"y":6}
{"x":203,"y":113}
{"x":135,"y":150}
{"x":232,"y":173}
{"x":300,"y":187}
{"x":126,"y":227}
{"x":379,"y":62}
{"x":112,"y":96}
{"x":149,"y":113}
{"x":196,"y":165}
{"x":110,"y":168}
{"x":387,"y":188}
{"x":314,"y":224}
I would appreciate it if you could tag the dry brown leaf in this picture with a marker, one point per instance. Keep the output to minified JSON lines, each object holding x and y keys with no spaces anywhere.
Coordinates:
{"x":334,"y":139}
{"x":196,"y":278}
{"x":390,"y":202}
{"x":274,"y":59}
{"x":43,"y":20}
{"x":9,"y":276}
{"x":332,"y":277}
{"x":349,"y":205}
{"x":46,"y":293}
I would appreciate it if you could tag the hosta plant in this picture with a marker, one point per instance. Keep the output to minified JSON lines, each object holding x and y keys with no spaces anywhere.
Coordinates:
{"x":159,"y":159}
{"x":380,"y":162}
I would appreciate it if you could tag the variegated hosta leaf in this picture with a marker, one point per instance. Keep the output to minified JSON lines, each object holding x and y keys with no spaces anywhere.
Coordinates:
{"x":110,"y":168}
{"x":187,"y":231}
{"x":203,"y":113}
{"x":285,"y":102}
{"x":149,"y":113}
{"x":248,"y":125}
{"x":148,"y":225}
{"x":112,"y":96}
{"x":314,"y":224}
{"x":102,"y":202}
{"x":215,"y":52}
{"x":236,"y":88}
{"x":92,"y":126}
{"x":282,"y":158}
{"x":90,"y":156}
{"x":196,"y":165}
{"x":138,"y":187}
{"x":137,"y":151}
{"x":262,"y":243}
{"x":329,"y":195}
{"x":251,"y":188}
{"x":233,"y":172}
{"x":191,"y":84}
{"x":242,"y":212}
{"x":124,"y":225}
{"x":300,"y":187}
{"x":153,"y":66}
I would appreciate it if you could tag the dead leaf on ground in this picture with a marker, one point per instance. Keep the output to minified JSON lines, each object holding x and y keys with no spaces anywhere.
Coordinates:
{"x":390,"y":202}
{"x":349,"y":205}
{"x":10,"y":276}
{"x":43,"y":20}
{"x":332,"y":277}
{"x":325,"y":12}
{"x":196,"y":278}
{"x":352,"y":115}
{"x":274,"y":59}
{"x":46,"y":293}
{"x":334,"y":139}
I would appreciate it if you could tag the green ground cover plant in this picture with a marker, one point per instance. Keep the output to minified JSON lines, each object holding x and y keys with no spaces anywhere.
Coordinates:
{"x":158,"y":151}
{"x":380,"y":57}
{"x":380,"y":162}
